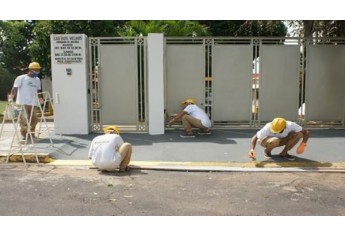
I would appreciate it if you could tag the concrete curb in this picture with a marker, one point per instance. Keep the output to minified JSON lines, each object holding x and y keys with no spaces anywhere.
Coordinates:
{"x":250,"y":166}
{"x":220,"y":166}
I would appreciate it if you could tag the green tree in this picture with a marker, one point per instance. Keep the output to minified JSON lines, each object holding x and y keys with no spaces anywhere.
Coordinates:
{"x":246,"y":28}
{"x":6,"y":82}
{"x":317,"y":28}
{"x":167,"y":27}
{"x":15,"y":38}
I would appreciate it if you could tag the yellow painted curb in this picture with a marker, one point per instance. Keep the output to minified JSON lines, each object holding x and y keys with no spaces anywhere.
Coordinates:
{"x":30,"y":158}
{"x":214,"y":164}
{"x":45,"y":159}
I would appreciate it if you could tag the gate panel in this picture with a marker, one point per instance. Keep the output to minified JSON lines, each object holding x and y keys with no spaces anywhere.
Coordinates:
{"x":325,"y":87}
{"x":197,"y":67}
{"x":279,"y":82}
{"x":119,"y":85}
{"x":232,"y":82}
{"x":184,"y":75}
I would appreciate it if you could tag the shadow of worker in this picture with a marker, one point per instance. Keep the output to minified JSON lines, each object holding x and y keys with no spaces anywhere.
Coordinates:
{"x":279,"y":161}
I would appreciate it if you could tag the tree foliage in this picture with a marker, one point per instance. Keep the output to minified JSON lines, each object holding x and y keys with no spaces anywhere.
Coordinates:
{"x":317,"y":28}
{"x":168,"y":27}
{"x":15,"y":39}
{"x":246,"y":28}
{"x":6,"y":82}
{"x":24,"y":41}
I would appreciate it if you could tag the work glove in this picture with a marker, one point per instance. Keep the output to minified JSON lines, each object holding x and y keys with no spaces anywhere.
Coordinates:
{"x":301,"y":148}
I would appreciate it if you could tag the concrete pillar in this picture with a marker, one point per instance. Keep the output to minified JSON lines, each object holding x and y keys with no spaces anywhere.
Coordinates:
{"x":155,"y":46}
{"x":69,"y":83}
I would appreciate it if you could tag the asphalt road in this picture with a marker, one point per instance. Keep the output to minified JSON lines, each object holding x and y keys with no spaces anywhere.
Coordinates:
{"x":42,"y":190}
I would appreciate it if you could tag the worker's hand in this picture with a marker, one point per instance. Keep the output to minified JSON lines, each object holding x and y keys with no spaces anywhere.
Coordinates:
{"x":10,"y":98}
{"x":251,"y":154}
{"x":174,"y":115}
{"x":172,"y":120}
{"x":301,"y":148}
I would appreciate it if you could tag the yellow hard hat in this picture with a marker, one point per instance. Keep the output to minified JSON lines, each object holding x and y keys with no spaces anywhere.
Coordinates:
{"x":34,"y":65}
{"x":111,"y":127}
{"x":188,"y":100}
{"x":278,"y":125}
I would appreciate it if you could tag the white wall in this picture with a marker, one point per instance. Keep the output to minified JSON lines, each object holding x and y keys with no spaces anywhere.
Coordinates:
{"x":47,"y":85}
{"x":155,"y":44}
{"x":70,"y":98}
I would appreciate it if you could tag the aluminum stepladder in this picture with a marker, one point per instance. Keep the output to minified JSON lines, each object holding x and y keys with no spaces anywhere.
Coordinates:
{"x":14,"y":112}
{"x":47,"y":104}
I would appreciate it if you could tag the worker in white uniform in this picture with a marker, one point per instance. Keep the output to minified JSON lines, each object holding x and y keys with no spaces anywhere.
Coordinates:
{"x":192,"y":116}
{"x":25,"y":90}
{"x":109,"y":152}
{"x":280,"y":132}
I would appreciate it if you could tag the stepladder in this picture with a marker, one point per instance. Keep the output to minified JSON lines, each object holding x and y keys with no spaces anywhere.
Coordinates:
{"x":21,"y":127}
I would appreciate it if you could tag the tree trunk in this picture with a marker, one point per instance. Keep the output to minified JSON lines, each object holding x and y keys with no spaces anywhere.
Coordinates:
{"x":308,"y":28}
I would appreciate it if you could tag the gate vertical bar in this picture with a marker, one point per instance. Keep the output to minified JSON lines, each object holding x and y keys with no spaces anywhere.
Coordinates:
{"x":94,"y":73}
{"x":141,"y":124}
{"x":254,"y":114}
{"x":303,"y":79}
{"x":208,"y":77}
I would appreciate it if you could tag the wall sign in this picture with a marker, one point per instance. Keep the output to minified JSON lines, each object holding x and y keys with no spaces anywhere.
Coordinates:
{"x":67,"y":49}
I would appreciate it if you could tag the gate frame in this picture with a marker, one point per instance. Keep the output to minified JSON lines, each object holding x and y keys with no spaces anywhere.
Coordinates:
{"x":208,"y":42}
{"x":95,"y":78}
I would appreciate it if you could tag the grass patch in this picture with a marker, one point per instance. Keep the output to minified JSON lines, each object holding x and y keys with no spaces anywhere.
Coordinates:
{"x":3,"y":105}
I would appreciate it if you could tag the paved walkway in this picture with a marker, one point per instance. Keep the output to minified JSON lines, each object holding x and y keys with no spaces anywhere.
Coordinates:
{"x":223,"y":149}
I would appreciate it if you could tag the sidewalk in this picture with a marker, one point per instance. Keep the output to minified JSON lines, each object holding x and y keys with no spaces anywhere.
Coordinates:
{"x":224,"y":149}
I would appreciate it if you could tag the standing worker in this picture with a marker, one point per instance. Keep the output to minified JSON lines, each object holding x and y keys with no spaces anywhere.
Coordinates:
{"x":277,"y":133}
{"x":192,"y":116}
{"x":25,"y":89}
{"x":109,"y":152}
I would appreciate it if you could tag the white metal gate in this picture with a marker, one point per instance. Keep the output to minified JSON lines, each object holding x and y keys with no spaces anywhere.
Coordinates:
{"x":232,"y":83}
{"x":118,"y":83}
{"x":238,"y":81}
{"x":279,"y":81}
{"x":325,"y":89}
{"x":184,"y":75}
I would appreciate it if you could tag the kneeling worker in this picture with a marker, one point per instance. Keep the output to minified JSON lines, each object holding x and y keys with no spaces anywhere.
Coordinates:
{"x":109,"y":152}
{"x":277,"y":133}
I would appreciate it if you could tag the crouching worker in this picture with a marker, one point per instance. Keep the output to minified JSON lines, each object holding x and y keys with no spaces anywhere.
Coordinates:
{"x":192,"y":116}
{"x":277,"y":133}
{"x":109,"y":152}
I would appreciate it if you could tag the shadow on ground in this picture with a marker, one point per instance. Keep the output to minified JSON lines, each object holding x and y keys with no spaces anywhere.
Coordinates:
{"x":298,"y":162}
